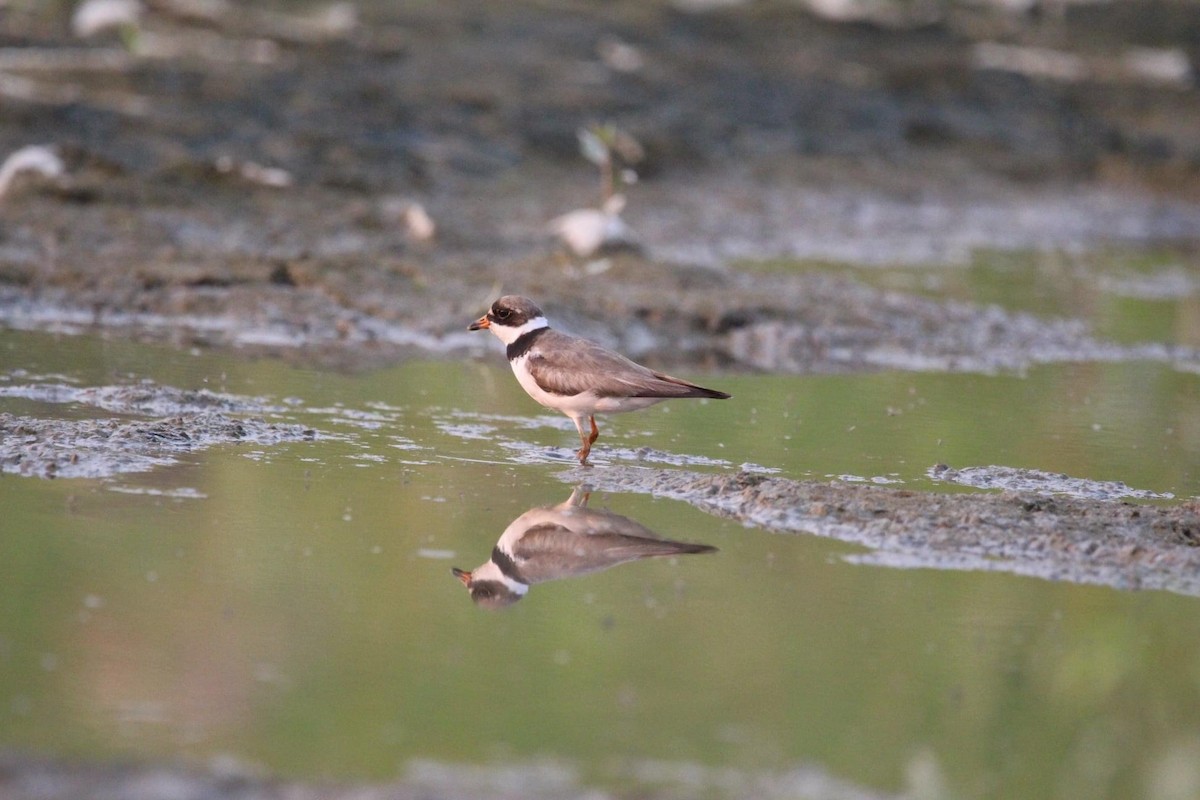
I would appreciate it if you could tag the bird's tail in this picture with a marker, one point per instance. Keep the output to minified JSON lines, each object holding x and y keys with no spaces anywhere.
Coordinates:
{"x":668,"y":547}
{"x":689,"y":389}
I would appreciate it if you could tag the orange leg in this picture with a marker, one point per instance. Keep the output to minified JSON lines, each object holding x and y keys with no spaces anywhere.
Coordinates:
{"x":586,"y":440}
{"x":583,"y":452}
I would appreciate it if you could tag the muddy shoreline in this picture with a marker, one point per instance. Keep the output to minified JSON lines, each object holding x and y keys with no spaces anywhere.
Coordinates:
{"x":1112,"y":543}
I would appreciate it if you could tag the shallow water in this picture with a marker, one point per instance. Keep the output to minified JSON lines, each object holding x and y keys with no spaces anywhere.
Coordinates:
{"x":1125,"y":296}
{"x":291,"y":606}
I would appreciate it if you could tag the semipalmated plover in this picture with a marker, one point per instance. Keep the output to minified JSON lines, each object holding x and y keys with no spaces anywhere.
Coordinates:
{"x":563,"y":541}
{"x":576,"y":376}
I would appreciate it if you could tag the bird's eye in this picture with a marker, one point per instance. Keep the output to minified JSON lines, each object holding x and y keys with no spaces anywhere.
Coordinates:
{"x":502,"y":313}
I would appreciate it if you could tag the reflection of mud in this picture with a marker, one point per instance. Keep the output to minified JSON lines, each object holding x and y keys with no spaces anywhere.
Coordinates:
{"x":1116,"y":544}
{"x":144,"y":398}
{"x":96,"y":448}
{"x":568,"y":540}
{"x":1034,"y":480}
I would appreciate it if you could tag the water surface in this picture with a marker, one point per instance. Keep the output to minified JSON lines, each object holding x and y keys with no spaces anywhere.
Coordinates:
{"x":291,"y":606}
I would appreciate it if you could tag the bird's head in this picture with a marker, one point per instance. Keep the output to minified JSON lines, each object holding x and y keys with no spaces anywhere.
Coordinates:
{"x":509,"y":317}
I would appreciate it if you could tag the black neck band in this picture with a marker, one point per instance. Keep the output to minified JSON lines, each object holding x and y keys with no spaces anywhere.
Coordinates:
{"x":507,"y":566}
{"x":523,"y":342}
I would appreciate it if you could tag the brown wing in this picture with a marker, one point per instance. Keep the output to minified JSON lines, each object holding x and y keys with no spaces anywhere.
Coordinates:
{"x":548,"y":552}
{"x":568,"y":365}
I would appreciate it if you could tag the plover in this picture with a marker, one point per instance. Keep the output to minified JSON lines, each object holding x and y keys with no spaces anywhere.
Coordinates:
{"x":577,"y":376}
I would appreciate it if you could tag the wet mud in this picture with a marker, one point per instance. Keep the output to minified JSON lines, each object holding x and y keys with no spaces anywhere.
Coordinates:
{"x":47,"y":447}
{"x":101,"y":448}
{"x":1036,"y":480}
{"x":1052,"y":536}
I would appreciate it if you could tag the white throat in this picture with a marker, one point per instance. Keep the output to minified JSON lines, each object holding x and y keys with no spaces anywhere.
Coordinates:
{"x":491,"y":572}
{"x":509,"y":335}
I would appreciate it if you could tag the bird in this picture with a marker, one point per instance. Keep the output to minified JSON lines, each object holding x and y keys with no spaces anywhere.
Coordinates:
{"x":576,"y":376}
{"x":567,"y":540}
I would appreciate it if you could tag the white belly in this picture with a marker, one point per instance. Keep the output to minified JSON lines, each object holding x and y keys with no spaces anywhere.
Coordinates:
{"x":578,"y":405}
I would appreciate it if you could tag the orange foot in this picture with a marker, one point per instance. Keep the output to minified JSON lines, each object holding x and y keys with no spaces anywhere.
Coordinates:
{"x":587,"y":442}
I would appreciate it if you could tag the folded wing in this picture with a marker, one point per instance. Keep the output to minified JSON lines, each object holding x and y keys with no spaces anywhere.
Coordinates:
{"x":569,"y":366}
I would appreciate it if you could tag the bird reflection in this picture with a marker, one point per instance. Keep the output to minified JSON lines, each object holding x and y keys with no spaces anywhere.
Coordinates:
{"x":562,"y":541}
